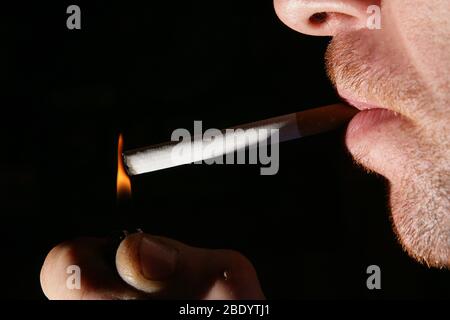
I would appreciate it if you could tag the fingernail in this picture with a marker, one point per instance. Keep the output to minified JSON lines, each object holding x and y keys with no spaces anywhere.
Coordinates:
{"x":158,"y":260}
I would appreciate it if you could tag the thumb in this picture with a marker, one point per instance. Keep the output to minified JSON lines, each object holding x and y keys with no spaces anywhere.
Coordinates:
{"x":166,"y":268}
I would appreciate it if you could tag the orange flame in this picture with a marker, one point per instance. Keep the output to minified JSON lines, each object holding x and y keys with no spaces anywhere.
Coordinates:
{"x":123,"y":181}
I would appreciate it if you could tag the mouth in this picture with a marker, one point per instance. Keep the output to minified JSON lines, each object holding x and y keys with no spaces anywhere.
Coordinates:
{"x":371,"y":117}
{"x":358,"y":102}
{"x":362,"y":106}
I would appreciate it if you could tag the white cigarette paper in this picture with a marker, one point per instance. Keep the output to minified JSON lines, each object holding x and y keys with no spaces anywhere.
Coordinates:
{"x":287,"y":127}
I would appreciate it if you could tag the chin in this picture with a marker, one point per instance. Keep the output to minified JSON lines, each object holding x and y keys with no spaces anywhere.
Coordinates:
{"x":421,"y":221}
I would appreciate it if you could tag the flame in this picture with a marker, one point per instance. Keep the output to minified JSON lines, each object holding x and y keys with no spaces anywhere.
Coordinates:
{"x":123,"y":181}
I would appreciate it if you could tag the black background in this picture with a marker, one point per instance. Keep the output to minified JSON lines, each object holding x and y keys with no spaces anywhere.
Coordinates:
{"x":145,"y":69}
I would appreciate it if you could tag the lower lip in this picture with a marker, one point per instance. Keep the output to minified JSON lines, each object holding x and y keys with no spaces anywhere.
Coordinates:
{"x":368,"y":120}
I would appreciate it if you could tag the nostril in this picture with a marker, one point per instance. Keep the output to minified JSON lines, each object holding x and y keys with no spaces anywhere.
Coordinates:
{"x":318,"y":18}
{"x":333,"y":21}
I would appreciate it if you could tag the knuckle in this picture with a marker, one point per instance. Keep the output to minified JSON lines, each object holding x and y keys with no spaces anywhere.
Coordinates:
{"x":238,"y":261}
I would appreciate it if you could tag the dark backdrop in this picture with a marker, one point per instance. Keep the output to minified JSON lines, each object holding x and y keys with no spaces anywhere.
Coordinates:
{"x":145,"y":69}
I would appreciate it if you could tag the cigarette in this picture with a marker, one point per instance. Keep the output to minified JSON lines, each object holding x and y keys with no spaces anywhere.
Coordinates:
{"x":287,"y":127}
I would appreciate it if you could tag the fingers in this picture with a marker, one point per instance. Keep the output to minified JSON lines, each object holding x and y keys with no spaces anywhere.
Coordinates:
{"x":166,"y":268}
{"x":147,"y":267}
{"x":86,"y":261}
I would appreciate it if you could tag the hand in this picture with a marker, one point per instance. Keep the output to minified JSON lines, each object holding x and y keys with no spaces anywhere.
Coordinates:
{"x":148,"y":267}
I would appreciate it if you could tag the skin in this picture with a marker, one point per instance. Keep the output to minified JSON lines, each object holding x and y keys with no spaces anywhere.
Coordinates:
{"x":402,"y":68}
{"x":401,"y":73}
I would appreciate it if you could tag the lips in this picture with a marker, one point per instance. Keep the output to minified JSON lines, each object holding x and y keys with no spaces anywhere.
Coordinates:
{"x":357,"y":102}
{"x":375,"y":136}
{"x":372,"y":117}
{"x":362,"y":105}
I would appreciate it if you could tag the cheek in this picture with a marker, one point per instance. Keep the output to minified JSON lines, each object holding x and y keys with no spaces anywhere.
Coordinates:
{"x":422,"y":29}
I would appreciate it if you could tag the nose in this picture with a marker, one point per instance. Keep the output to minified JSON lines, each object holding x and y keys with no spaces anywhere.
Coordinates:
{"x":324,"y":17}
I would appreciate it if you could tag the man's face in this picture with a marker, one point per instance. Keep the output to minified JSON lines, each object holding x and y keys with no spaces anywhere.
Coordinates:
{"x":399,"y":76}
